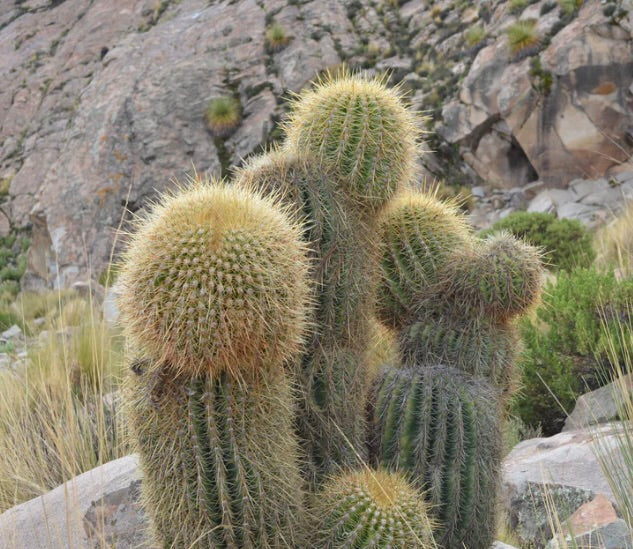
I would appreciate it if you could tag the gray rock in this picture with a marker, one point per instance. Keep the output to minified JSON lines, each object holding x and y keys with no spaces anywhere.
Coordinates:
{"x":99,"y":508}
{"x":532,"y":189}
{"x":584,"y":187}
{"x":615,"y":535}
{"x":623,"y":177}
{"x":605,"y":197}
{"x":541,"y":203}
{"x":478,"y":192}
{"x":599,"y":406}
{"x":564,"y":466}
{"x":530,"y":518}
{"x":14,"y":332}
{"x":501,"y":545}
{"x":574,"y":210}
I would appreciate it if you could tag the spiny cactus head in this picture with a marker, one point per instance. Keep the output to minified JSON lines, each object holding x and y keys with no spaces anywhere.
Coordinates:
{"x":215,"y":280}
{"x":418,"y":234}
{"x":500,"y":277}
{"x":360,"y":133}
{"x":277,"y":172}
{"x":371,"y":509}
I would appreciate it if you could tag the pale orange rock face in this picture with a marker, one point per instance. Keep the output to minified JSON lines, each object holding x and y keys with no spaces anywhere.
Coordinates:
{"x":594,"y":514}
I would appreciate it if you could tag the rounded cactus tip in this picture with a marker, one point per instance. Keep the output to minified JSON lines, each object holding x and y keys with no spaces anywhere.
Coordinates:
{"x":360,"y":132}
{"x":418,"y":235}
{"x":501,"y":277}
{"x":371,"y":509}
{"x":215,"y":279}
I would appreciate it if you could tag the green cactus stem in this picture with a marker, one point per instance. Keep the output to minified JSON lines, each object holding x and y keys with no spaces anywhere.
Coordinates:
{"x":215,"y":301}
{"x":441,"y":427}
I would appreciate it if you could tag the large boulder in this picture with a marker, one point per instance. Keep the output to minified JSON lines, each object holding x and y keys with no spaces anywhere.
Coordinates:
{"x":102,"y":104}
{"x":559,"y":473}
{"x":99,"y":508}
{"x":599,"y":406}
{"x":554,"y":115}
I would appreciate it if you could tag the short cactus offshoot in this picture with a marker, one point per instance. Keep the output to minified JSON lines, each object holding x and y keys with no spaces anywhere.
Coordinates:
{"x":215,"y":300}
{"x":370,"y":509}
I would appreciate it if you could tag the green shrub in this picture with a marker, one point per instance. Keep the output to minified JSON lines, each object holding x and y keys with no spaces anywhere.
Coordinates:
{"x":522,"y":37}
{"x":517,"y":6}
{"x":565,"y":242}
{"x":276,"y":38}
{"x":474,"y":35}
{"x":223,"y":115}
{"x":569,"y":342}
{"x":569,"y":7}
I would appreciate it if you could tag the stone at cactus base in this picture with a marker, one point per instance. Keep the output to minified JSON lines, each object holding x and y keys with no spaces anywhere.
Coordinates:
{"x":96,"y":509}
{"x":563,"y":469}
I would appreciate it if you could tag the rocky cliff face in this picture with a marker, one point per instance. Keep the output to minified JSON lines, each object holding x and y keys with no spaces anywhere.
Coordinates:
{"x":103,"y":102}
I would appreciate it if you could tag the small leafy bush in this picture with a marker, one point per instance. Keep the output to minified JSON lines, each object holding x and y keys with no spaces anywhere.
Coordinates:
{"x":573,"y":337}
{"x":565,"y":242}
{"x":517,"y":6}
{"x":276,"y":38}
{"x":569,"y":7}
{"x":223,"y":115}
{"x":522,"y":37}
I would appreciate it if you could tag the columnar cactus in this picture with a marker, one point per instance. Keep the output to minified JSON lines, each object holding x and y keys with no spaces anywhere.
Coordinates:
{"x":370,"y":509}
{"x":215,"y":301}
{"x":350,"y":144}
{"x":442,"y":427}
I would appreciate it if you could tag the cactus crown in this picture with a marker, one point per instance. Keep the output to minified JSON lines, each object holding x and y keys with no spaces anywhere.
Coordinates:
{"x":371,"y":509}
{"x":419,"y":234}
{"x":214,"y":280}
{"x":500,"y":277}
{"x":359,"y":132}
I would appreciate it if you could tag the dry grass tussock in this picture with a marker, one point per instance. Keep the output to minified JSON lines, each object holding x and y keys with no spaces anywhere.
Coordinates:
{"x":59,"y":410}
{"x":614,"y":243}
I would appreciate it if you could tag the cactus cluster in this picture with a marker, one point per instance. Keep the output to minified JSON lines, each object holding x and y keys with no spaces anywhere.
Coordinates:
{"x":260,"y":391}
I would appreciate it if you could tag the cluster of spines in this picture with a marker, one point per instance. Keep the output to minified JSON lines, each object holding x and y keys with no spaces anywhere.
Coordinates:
{"x":360,"y":133}
{"x":441,"y":426}
{"x":218,"y":456}
{"x":370,"y":509}
{"x":210,"y":281}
